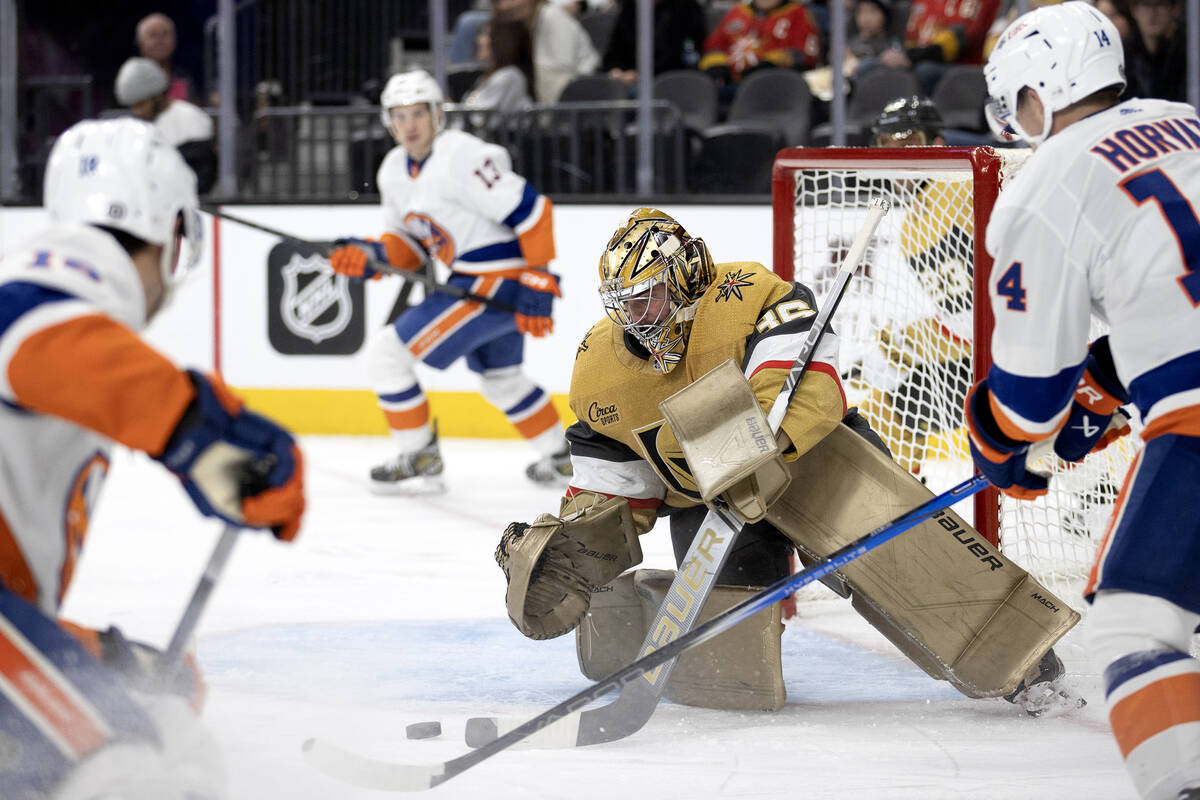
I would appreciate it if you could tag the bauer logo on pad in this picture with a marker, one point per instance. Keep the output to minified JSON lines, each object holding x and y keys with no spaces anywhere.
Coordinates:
{"x":311,"y":310}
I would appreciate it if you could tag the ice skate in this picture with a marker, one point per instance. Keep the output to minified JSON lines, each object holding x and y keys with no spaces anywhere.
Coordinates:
{"x":1045,"y":692}
{"x":418,"y":472}
{"x":552,"y":470}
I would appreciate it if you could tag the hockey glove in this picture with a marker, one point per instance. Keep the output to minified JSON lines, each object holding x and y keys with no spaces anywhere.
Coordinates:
{"x":999,"y":458}
{"x":143,"y":666}
{"x":535,"y":298}
{"x":352,"y":258}
{"x":235,"y":464}
{"x":1097,"y":397}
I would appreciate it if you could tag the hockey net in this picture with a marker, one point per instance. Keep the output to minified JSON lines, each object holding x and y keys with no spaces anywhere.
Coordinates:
{"x":915,"y":332}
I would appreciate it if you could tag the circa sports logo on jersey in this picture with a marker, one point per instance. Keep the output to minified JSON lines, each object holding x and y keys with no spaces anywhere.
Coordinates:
{"x":310,"y":310}
{"x":603,"y":415}
{"x":733,"y":284}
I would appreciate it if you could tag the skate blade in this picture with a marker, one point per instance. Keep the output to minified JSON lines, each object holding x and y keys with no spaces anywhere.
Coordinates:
{"x":424,"y":485}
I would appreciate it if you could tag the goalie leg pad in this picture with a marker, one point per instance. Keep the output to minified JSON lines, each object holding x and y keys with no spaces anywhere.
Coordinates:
{"x":949,"y":600}
{"x":553,"y":565}
{"x":741,"y":669}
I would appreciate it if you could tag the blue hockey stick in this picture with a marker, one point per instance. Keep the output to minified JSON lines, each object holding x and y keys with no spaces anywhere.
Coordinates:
{"x":394,"y":777}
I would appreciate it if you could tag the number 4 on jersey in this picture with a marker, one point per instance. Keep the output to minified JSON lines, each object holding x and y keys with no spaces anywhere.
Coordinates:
{"x":1010,"y":286}
{"x":1155,"y":185}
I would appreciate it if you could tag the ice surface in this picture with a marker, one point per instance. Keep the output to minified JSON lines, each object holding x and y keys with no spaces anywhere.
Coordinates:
{"x":390,"y":610}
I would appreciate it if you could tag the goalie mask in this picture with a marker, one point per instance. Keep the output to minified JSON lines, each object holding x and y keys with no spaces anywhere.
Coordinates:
{"x":1064,"y":52}
{"x":652,"y":273}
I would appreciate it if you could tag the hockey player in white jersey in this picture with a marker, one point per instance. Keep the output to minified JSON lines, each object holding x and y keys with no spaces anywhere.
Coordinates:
{"x":1103,"y":219}
{"x":83,"y":713}
{"x":453,"y":198}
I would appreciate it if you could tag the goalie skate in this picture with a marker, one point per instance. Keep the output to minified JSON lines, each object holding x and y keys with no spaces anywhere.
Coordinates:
{"x":552,"y":470}
{"x":419,"y":472}
{"x":1046,"y":693}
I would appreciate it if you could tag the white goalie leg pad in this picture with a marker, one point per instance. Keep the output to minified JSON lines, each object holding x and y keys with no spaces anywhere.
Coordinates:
{"x":1141,"y":643}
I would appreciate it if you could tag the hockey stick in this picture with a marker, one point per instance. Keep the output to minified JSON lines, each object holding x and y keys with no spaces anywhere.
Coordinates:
{"x":173,"y":655}
{"x":396,"y":777}
{"x":412,"y":276}
{"x":706,"y":555}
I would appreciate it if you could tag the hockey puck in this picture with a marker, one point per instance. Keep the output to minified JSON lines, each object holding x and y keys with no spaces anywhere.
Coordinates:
{"x":423,"y":730}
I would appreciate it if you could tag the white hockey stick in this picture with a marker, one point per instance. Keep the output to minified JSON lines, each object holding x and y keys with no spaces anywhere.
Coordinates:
{"x":395,"y":777}
{"x":173,"y":655}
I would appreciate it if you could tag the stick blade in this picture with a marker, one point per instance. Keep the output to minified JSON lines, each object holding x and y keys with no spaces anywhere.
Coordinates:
{"x":369,"y":773}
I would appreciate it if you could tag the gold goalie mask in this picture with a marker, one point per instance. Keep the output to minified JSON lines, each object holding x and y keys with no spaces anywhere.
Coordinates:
{"x":651,"y":276}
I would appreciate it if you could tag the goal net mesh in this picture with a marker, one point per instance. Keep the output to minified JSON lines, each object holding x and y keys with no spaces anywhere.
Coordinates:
{"x":907,"y":333}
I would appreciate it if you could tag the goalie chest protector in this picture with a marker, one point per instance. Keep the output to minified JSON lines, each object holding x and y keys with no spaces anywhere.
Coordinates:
{"x":616,"y":393}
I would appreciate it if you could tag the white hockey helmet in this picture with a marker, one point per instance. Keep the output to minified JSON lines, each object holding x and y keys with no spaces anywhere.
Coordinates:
{"x":407,"y":88}
{"x":121,"y":173}
{"x":1065,"y":52}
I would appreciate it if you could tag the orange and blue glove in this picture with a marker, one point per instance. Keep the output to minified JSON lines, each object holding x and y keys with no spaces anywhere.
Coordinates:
{"x":1001,"y":459}
{"x":1097,"y":397}
{"x":235,"y":464}
{"x":352,"y":258}
{"x":535,"y":300}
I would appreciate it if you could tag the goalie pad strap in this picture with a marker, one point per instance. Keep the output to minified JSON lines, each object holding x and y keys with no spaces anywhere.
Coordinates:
{"x":552,"y":565}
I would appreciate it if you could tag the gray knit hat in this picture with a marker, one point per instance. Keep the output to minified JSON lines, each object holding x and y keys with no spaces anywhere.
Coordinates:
{"x":138,"y":79}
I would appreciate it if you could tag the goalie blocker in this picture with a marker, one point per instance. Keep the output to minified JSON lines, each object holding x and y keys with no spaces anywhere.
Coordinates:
{"x":949,"y":600}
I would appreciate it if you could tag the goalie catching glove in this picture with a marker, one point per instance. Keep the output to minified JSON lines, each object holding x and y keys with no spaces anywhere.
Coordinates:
{"x":553,"y":565}
{"x":235,"y":464}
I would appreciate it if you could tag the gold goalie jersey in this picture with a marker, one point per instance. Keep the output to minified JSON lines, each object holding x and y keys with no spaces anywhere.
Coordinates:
{"x":621,"y":446}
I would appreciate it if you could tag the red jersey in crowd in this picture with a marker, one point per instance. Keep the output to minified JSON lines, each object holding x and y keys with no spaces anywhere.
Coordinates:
{"x":957,"y":27}
{"x":785,"y":36}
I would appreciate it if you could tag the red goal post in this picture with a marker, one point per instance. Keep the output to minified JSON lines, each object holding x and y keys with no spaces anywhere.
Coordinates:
{"x":986,"y":167}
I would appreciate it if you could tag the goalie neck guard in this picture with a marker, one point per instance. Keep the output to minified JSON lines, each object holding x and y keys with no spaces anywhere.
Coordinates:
{"x":652,"y":273}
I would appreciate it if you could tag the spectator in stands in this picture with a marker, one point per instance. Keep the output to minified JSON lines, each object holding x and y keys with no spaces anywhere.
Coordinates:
{"x":871,"y":37}
{"x":941,"y":33}
{"x":678,"y":35}
{"x":562,"y":49}
{"x":506,"y":50}
{"x":1119,"y":14}
{"x":155,"y":40}
{"x":760,"y":34}
{"x":1155,"y":53}
{"x":142,"y":87}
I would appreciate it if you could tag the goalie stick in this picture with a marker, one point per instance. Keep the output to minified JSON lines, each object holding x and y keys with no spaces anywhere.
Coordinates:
{"x":413,"y":276}
{"x":398,"y":777}
{"x":713,"y":541}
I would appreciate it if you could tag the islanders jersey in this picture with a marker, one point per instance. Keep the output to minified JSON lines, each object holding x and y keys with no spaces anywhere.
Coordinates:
{"x":1102,"y":219}
{"x":621,"y":444}
{"x":464,"y":206}
{"x":74,"y":377}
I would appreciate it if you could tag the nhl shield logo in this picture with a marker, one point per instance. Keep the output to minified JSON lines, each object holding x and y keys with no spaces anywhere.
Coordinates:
{"x":312,"y":309}
{"x":316,"y":302}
